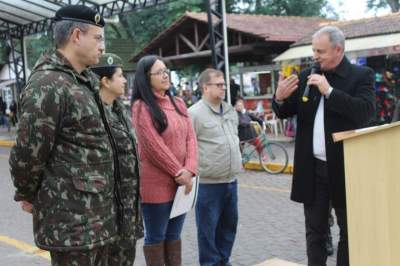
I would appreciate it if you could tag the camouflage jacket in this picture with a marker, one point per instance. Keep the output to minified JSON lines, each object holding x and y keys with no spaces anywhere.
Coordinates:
{"x":63,"y":161}
{"x":125,"y":140}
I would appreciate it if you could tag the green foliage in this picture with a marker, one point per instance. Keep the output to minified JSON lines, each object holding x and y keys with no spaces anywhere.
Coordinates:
{"x":378,"y":4}
{"x":189,"y":72}
{"x":35,"y":46}
{"x":144,"y":25}
{"x":115,"y":31}
{"x":306,"y":8}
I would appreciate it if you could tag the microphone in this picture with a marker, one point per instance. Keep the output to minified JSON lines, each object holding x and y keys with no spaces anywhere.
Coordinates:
{"x":315,"y":68}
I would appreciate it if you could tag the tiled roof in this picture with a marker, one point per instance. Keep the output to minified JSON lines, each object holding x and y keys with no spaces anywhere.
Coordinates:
{"x":270,"y":28}
{"x":363,"y":27}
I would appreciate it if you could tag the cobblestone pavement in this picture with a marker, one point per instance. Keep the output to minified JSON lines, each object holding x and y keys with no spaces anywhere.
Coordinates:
{"x":6,"y":134}
{"x":270,"y":225}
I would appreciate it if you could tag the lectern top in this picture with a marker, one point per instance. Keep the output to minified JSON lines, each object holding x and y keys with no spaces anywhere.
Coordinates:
{"x":339,"y":136}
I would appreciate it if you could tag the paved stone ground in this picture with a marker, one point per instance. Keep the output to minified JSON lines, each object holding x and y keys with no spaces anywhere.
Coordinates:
{"x":7,"y":135}
{"x":270,"y":225}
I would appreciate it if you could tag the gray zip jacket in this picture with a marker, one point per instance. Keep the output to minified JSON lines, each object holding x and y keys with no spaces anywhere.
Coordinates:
{"x":218,"y":142}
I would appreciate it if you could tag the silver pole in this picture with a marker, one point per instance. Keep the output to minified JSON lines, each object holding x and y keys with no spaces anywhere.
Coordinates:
{"x":25,"y":63}
{"x":226,"y":54}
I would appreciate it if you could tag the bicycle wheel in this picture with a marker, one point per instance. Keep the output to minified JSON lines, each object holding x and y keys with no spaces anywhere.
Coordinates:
{"x":274,"y":158}
{"x":249,"y":153}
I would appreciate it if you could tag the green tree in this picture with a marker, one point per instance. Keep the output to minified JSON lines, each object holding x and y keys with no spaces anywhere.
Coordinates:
{"x":378,"y":4}
{"x":144,"y":25}
{"x":37,"y":45}
{"x":306,"y":8}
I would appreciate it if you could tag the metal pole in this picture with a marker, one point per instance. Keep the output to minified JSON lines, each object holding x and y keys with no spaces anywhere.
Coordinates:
{"x":226,"y":53}
{"x":24,"y":59}
{"x":214,"y":58}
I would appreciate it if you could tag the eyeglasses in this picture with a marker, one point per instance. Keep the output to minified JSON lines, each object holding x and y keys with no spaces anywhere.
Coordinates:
{"x":161,"y":72}
{"x":219,"y":85}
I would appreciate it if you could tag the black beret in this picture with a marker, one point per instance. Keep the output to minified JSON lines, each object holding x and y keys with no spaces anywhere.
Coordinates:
{"x":80,"y":13}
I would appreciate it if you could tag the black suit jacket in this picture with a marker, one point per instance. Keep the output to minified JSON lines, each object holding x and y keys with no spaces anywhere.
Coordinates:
{"x":351,"y":105}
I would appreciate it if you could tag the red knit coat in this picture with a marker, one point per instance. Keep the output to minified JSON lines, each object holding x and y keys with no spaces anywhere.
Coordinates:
{"x":163,"y":156}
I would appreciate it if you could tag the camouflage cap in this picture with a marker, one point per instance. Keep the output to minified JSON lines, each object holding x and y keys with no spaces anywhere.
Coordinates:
{"x":108,"y":60}
{"x":80,"y":13}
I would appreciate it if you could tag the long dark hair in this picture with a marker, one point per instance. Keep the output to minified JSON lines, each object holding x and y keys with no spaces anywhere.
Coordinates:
{"x":142,"y":90}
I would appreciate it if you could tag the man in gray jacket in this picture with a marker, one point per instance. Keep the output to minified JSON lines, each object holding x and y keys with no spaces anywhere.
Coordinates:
{"x":216,"y":126}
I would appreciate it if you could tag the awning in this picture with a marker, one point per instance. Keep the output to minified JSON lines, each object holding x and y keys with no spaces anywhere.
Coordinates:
{"x":33,"y":16}
{"x":357,"y":47}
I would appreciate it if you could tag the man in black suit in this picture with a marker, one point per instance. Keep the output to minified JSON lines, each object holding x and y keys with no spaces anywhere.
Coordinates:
{"x":341,"y":97}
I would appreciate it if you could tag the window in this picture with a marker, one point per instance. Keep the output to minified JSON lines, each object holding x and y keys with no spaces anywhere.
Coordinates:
{"x":258,"y":82}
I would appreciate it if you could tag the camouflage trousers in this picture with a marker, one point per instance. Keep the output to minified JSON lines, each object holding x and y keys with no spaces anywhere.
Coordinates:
{"x":122,"y":253}
{"x":94,"y":257}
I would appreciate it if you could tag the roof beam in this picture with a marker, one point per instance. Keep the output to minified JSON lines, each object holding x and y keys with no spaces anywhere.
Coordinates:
{"x":107,"y":10}
{"x":14,"y":15}
{"x":121,"y":6}
{"x":232,"y":50}
{"x":31,"y":28}
{"x":6,"y":21}
{"x":188,"y":42}
{"x":23,"y":9}
{"x":58,"y":3}
{"x":41,"y":6}
{"x":204,"y":41}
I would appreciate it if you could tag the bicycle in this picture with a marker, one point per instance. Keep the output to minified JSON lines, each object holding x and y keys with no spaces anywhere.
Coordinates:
{"x":272,"y":156}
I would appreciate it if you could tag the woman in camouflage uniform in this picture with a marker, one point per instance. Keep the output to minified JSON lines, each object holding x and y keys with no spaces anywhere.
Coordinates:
{"x":112,"y":85}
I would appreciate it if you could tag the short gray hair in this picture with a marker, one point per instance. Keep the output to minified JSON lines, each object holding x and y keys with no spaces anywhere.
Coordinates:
{"x":63,"y":29}
{"x":336,"y":36}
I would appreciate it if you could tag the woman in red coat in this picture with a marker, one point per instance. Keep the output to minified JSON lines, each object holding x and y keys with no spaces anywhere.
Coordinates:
{"x":168,"y":158}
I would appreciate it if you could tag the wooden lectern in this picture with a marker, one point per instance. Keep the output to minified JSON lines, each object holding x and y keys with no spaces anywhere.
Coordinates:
{"x":372,"y":166}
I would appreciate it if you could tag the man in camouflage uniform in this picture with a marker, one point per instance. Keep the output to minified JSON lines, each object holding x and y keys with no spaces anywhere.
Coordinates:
{"x":112,"y":86}
{"x":63,"y":162}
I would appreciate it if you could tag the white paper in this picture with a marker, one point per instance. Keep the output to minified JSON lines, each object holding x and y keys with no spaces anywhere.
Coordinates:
{"x":184,"y":203}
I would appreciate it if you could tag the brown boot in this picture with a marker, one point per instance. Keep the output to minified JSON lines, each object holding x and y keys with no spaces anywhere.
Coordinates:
{"x":173,"y":256}
{"x":154,"y":254}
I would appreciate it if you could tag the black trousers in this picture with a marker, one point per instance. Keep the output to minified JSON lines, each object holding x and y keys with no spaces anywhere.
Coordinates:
{"x":316,"y":218}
